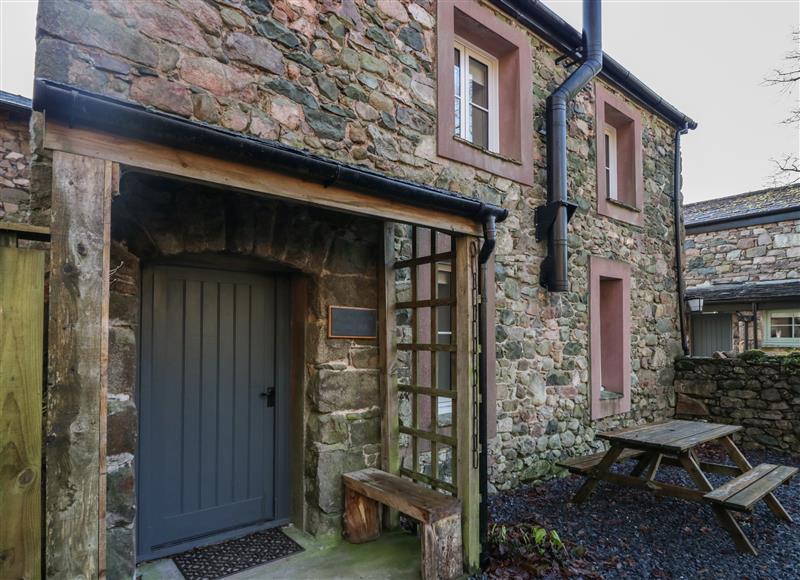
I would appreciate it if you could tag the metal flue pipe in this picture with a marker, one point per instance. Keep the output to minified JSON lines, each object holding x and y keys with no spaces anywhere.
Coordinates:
{"x":558,"y":209}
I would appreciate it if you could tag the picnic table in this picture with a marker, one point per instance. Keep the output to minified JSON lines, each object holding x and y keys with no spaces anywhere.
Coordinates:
{"x":674,"y":443}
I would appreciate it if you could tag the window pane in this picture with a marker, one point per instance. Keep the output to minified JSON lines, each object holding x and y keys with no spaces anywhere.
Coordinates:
{"x":443,"y":325}
{"x":457,"y":130}
{"x":444,"y":380}
{"x":443,"y":280}
{"x":457,"y":89}
{"x":479,"y":127}
{"x":608,"y":152}
{"x":479,"y":83}
{"x":780,"y":331}
{"x":444,"y":413}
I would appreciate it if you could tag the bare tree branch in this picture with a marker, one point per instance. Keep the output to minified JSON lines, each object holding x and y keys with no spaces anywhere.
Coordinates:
{"x":788,"y":79}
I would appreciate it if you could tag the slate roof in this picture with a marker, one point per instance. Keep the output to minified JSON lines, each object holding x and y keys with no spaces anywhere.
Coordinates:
{"x":761,"y":291}
{"x":14,"y":101}
{"x":743,"y":205}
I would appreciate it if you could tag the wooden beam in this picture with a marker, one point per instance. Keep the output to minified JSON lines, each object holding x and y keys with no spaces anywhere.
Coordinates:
{"x":159,"y":159}
{"x":297,"y":430}
{"x":24,"y":228}
{"x":390,"y":414}
{"x":467,"y":472}
{"x":78,"y":364}
{"x":21,"y":364}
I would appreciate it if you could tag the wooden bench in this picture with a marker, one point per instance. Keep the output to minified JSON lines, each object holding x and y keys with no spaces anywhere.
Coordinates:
{"x":585,"y":463}
{"x":743,"y":492}
{"x":439,"y":514}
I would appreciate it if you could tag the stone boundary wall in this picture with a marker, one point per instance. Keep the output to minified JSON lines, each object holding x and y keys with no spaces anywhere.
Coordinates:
{"x":761,"y":395}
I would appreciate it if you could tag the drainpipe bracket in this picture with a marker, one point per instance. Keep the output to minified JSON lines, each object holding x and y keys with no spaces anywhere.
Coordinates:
{"x":546,"y":215}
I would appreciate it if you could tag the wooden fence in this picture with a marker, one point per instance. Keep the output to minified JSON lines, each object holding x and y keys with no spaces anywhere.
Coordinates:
{"x":22,"y":273}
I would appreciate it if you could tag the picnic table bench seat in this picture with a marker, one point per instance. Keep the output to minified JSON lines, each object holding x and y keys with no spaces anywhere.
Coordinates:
{"x":743,"y":492}
{"x":582,"y":464}
{"x":675,"y":442}
{"x":439,"y":515}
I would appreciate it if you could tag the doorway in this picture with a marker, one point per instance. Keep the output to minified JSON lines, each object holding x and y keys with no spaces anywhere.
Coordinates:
{"x":711,"y":332}
{"x":214,"y":390}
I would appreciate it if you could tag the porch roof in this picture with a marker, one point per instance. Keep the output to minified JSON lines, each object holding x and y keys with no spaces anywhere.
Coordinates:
{"x":79,"y":108}
{"x":762,"y":291}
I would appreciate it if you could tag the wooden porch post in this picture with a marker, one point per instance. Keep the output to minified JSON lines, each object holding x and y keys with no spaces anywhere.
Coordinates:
{"x":466,"y":381}
{"x":78,"y":364}
{"x":390,"y":414}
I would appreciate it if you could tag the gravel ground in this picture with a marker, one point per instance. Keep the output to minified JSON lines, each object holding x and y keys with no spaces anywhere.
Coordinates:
{"x":631,"y":533}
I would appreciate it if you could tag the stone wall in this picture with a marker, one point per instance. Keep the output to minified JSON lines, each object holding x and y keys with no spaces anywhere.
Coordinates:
{"x":14,"y":166}
{"x":355,"y":81}
{"x":747,"y":254}
{"x":762,"y":395}
{"x":154,"y":219}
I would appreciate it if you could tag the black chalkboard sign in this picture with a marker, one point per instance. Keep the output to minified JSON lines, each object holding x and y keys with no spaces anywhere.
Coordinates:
{"x":350,"y":322}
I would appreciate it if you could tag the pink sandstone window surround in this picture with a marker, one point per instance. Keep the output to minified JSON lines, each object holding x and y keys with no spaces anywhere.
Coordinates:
{"x":615,"y":117}
{"x":468,"y":21}
{"x":610,"y":336}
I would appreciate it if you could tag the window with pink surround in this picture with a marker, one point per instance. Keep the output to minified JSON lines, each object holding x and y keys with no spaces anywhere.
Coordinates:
{"x":610,"y":335}
{"x":484,"y":95}
{"x":618,"y":140}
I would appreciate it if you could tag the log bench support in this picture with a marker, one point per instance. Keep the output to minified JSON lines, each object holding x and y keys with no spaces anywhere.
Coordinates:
{"x":439,"y":516}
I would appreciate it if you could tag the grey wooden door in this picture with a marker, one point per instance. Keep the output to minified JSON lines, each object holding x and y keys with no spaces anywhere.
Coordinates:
{"x":711,"y":333}
{"x":214,"y":364}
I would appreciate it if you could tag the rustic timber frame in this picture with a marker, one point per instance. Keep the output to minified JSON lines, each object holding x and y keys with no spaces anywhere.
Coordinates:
{"x":22,"y":277}
{"x":86,"y":168}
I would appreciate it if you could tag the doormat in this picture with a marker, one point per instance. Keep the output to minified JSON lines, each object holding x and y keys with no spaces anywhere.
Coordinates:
{"x":226,"y":558}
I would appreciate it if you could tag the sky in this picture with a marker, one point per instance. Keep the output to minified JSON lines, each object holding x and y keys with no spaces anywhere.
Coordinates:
{"x":707,"y":58}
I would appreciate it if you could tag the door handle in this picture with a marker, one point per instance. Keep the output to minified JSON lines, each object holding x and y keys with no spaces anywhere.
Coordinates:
{"x":269,"y":395}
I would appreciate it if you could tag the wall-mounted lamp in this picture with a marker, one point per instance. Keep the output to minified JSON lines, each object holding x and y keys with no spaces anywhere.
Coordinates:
{"x":695,"y":304}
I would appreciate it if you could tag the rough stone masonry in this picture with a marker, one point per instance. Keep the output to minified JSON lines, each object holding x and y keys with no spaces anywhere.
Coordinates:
{"x":762,"y":394}
{"x":355,"y":81}
{"x":15,"y":160}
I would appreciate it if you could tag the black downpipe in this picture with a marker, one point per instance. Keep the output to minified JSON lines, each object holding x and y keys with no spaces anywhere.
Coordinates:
{"x":677,"y":204}
{"x":558,"y":210}
{"x":489,"y":240}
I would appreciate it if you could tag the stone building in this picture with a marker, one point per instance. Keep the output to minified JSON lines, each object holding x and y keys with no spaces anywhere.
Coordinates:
{"x":15,"y":113}
{"x":207,"y":164}
{"x":743,"y":262}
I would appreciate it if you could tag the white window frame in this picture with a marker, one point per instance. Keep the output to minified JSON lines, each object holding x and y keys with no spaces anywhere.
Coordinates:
{"x":783,"y":341}
{"x":467,"y":50}
{"x":610,"y":162}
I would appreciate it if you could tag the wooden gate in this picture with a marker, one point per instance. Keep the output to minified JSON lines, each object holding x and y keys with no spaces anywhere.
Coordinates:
{"x":21,"y":365}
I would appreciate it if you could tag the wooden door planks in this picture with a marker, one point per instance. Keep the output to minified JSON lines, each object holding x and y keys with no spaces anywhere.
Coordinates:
{"x":21,"y":354}
{"x":78,"y":363}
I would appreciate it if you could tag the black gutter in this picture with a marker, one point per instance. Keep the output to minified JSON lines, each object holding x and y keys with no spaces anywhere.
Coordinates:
{"x":677,"y":205}
{"x":554,"y":217}
{"x":533,"y":14}
{"x":489,"y":237}
{"x":83,"y":109}
{"x":745,"y":220}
